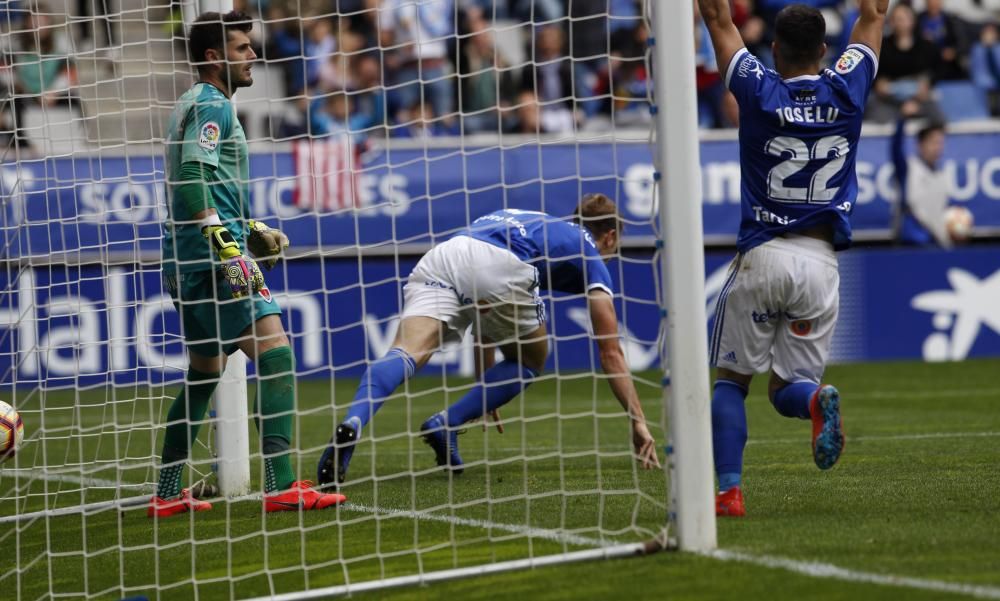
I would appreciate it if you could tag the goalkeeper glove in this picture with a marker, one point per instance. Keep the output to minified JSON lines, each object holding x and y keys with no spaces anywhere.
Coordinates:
{"x":238,"y":270}
{"x":266,"y":242}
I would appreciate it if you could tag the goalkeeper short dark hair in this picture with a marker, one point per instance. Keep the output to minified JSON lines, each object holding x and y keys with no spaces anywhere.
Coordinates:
{"x":211,"y":31}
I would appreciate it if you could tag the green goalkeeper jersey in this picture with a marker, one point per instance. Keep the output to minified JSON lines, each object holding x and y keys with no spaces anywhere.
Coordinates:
{"x":203,"y":128}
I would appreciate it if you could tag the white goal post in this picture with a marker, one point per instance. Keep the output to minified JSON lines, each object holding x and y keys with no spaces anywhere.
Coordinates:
{"x":92,"y":357}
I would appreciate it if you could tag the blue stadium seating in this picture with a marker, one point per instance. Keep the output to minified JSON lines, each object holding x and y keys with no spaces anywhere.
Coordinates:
{"x":962,"y":101}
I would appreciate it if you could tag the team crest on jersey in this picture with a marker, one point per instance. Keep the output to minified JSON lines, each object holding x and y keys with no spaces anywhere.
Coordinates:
{"x":849,"y":60}
{"x":265,"y":293}
{"x":801,"y":327}
{"x":209,"y":136}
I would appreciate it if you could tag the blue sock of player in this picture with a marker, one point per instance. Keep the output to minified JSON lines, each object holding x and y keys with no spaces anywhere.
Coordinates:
{"x":500,"y":384}
{"x":729,"y":432}
{"x":380,"y":380}
{"x":792,"y":400}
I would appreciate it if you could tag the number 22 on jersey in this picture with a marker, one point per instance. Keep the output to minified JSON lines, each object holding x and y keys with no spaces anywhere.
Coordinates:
{"x":831,"y":150}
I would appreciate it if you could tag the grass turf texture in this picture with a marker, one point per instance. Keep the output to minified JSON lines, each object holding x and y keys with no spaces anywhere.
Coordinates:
{"x":906,"y":499}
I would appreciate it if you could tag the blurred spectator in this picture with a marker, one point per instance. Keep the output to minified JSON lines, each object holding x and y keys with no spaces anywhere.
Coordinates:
{"x":905,"y":71}
{"x":284,"y":46}
{"x":319,"y":45}
{"x":533,"y":118}
{"x":627,"y":86}
{"x":943,"y":30}
{"x":417,"y":66}
{"x":418,"y":122}
{"x":486,"y":80}
{"x":550,"y":73}
{"x":590,"y":46}
{"x":329,"y":115}
{"x":39,"y":72}
{"x":369,"y":98}
{"x":361,"y":17}
{"x":984,"y":65}
{"x":923,"y":187}
{"x":753,"y":29}
{"x":93,"y":18}
{"x":625,"y":83}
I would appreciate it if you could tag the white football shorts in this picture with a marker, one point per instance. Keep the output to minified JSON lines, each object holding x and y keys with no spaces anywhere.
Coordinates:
{"x":465,"y":282}
{"x":777,"y":310}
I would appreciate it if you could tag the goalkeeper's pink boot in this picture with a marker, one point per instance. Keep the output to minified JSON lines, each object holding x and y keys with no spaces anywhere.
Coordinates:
{"x":301,"y":496}
{"x":828,"y":428}
{"x":730,"y":503}
{"x":164,"y":508}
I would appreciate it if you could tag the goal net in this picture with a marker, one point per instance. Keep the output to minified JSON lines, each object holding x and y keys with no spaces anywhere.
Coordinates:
{"x":376,"y":130}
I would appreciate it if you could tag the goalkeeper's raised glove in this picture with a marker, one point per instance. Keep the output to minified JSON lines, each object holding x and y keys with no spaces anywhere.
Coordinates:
{"x":266,"y":243}
{"x":238,"y":270}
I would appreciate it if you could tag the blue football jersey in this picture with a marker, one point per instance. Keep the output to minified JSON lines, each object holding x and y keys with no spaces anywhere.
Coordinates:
{"x":798,"y":145}
{"x":563,"y":252}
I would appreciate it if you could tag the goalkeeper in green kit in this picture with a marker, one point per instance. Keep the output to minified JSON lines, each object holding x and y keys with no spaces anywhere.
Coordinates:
{"x":218,"y":290}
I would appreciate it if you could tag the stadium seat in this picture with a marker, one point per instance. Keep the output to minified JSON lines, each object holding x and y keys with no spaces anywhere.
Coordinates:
{"x":962,"y":101}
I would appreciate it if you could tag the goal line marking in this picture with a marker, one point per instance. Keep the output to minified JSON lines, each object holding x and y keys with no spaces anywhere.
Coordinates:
{"x":601,"y":548}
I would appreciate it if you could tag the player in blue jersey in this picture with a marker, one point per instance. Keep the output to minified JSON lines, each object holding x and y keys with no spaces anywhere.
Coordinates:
{"x":799,"y":132}
{"x":488,"y":277}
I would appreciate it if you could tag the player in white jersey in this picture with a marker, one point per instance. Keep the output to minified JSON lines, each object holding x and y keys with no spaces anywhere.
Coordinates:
{"x":799,"y":131}
{"x":487,"y":278}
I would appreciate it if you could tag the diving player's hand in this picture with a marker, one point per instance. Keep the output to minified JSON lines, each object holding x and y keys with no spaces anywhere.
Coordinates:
{"x":266,"y":243}
{"x":644,"y":445}
{"x":238,"y":270}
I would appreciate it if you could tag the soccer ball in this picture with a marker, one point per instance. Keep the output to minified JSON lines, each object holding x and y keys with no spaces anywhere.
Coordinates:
{"x":11,"y":431}
{"x":958,"y":222}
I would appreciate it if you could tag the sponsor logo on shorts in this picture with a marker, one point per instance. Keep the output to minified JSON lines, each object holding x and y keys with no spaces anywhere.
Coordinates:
{"x":208,"y":138}
{"x":849,"y":60}
{"x":730,"y":357}
{"x":765,"y":316}
{"x":801,"y":327}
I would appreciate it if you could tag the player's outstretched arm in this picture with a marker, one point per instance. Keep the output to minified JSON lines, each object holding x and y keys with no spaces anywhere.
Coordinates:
{"x":726,"y":36}
{"x":605,"y":324}
{"x":871,"y":20}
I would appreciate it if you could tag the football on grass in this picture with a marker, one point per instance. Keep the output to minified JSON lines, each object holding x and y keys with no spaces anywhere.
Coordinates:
{"x":11,"y":431}
{"x":958,"y":221}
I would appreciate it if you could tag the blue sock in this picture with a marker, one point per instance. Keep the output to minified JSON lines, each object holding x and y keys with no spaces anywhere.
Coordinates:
{"x":500,"y":384}
{"x":381,"y":379}
{"x":792,"y":400}
{"x":729,"y":431}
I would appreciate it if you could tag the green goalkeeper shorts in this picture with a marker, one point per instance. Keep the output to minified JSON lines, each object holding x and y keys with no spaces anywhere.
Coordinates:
{"x":211,"y":320}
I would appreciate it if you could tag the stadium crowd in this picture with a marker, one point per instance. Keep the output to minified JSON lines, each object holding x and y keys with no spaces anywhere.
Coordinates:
{"x":581,"y":64}
{"x":447,"y":67}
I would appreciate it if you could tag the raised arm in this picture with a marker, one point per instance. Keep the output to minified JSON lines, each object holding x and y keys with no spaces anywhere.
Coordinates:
{"x":871,"y":21}
{"x":605,"y":324}
{"x":726,"y":38}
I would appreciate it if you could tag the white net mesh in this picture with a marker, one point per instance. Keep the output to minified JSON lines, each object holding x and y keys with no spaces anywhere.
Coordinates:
{"x":376,"y":129}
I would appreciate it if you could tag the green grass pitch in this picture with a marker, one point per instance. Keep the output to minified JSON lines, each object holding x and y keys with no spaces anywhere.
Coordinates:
{"x":913,"y":496}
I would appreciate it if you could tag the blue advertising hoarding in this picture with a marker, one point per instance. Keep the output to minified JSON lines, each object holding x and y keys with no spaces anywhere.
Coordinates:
{"x":101,"y":205}
{"x":92,"y":325}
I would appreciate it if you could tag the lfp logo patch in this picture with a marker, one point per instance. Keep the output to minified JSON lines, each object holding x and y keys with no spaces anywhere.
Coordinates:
{"x":849,"y":60}
{"x":209,"y":136}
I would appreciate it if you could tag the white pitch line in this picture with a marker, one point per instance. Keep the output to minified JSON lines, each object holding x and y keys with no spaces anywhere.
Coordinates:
{"x":825,"y":570}
{"x":885,"y":437}
{"x":813,"y":569}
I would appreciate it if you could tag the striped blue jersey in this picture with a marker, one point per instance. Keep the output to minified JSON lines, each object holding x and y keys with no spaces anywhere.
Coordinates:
{"x":798,"y":145}
{"x":564,"y":253}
